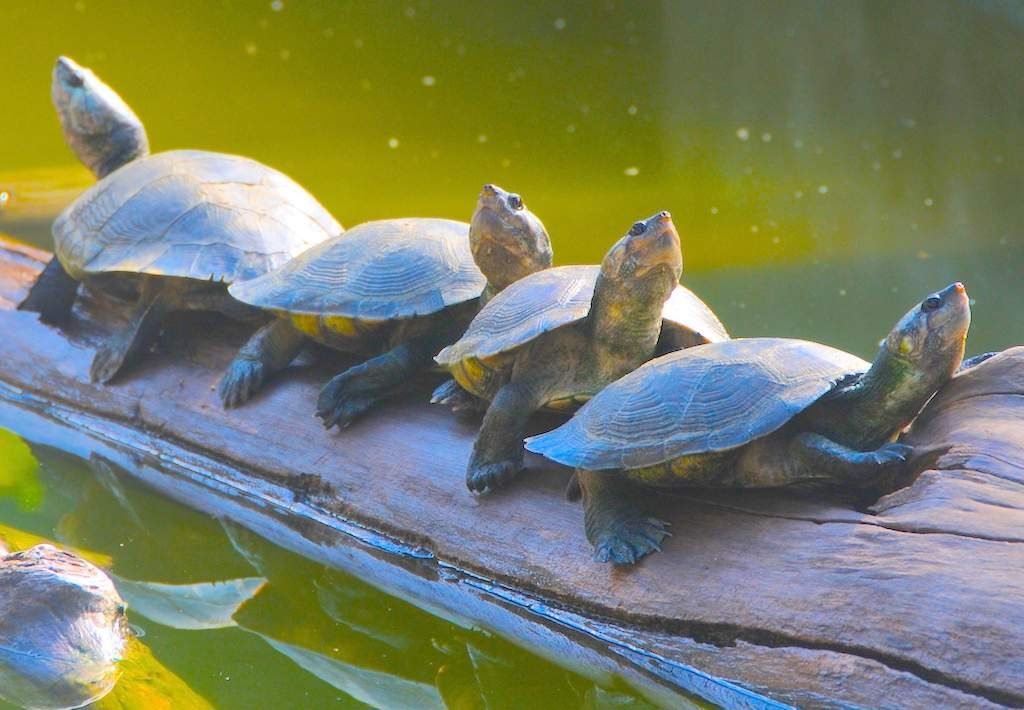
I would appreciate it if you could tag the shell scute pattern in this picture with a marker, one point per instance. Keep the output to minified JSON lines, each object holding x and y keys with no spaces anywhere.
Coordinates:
{"x":559,"y":296}
{"x":709,"y":398}
{"x":526,"y":309}
{"x":376,"y":271}
{"x":191,"y":214}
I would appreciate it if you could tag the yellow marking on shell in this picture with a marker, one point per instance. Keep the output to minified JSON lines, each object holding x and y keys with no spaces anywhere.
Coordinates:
{"x":470,"y":373}
{"x":340,"y":325}
{"x":308,"y":324}
{"x":566,"y":404}
{"x":692,"y":470}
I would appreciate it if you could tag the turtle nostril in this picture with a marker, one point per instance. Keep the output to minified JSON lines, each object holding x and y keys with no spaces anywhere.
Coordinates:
{"x":665,"y":214}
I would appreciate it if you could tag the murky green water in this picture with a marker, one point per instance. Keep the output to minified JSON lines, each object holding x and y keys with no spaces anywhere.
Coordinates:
{"x":304,"y":635}
{"x":827,"y":164}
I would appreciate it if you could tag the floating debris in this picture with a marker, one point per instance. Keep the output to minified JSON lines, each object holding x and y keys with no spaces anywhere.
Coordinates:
{"x":742,"y":133}
{"x":392,"y":143}
{"x":631,"y":171}
{"x":559,"y":23}
{"x":428,"y":80}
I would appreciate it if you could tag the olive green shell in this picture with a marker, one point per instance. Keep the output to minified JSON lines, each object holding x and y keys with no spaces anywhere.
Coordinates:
{"x":709,"y":398}
{"x":560,"y":296}
{"x":190,"y":214}
{"x":377,"y":271}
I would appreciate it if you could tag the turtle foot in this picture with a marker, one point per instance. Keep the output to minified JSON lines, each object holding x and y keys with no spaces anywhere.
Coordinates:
{"x":630,"y":540}
{"x":342,"y":400}
{"x":243,"y":379}
{"x":482,"y":478}
{"x":891,"y":455}
{"x":107,"y":362}
{"x":451,"y":395}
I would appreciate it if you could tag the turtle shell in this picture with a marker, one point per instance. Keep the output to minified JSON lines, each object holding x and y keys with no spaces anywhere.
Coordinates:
{"x":709,"y":398}
{"x":559,"y":296}
{"x":190,"y":214}
{"x":395,"y":268}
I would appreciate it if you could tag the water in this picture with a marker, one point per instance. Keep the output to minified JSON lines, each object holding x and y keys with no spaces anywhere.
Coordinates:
{"x":827,"y":164}
{"x":299,"y":640}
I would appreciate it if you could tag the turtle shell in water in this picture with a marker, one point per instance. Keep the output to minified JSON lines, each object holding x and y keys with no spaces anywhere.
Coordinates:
{"x":190,"y":214}
{"x":708,"y":398}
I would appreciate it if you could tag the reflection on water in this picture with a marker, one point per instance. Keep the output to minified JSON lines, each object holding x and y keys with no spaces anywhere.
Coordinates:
{"x":228,"y":619}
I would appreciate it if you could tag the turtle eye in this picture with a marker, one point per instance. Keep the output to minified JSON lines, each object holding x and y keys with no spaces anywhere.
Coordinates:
{"x":638,"y":228}
{"x":515,"y":201}
{"x":75,"y":79}
{"x":931,"y":303}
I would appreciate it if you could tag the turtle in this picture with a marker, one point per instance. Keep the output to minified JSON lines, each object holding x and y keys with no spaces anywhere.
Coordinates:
{"x":555,"y":338}
{"x":753,"y":412}
{"x":173,"y":228}
{"x":394,"y":290}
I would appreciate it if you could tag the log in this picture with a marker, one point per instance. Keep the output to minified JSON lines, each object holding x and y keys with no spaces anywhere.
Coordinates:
{"x":760,"y":599}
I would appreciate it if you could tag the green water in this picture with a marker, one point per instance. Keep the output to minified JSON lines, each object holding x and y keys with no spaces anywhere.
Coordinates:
{"x":307,"y":632}
{"x":827,"y":164}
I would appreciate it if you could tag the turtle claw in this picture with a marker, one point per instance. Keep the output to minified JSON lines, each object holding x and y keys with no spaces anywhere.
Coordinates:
{"x":483,"y":478}
{"x":632,"y":539}
{"x":451,"y":395}
{"x":341,"y":401}
{"x":893,"y":454}
{"x":106,"y":363}
{"x":243,"y":379}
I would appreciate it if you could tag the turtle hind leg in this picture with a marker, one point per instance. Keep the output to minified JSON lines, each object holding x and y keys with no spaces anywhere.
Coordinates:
{"x":52,"y":295}
{"x":269,"y":350}
{"x":451,"y":394}
{"x":498,"y":450}
{"x":821,"y":458}
{"x":617,"y":522}
{"x":126,"y":345}
{"x":359,"y":388}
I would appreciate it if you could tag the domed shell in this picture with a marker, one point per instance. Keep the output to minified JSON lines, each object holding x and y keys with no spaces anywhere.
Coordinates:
{"x":396,"y":268}
{"x":709,"y":398}
{"x":559,"y":296}
{"x":190,"y":214}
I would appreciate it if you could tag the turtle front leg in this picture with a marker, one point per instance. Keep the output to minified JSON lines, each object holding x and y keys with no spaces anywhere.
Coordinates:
{"x":268,"y":351}
{"x":121,"y":348}
{"x":359,"y":388}
{"x":821,"y":458}
{"x":498,"y":449}
{"x":52,"y":295}
{"x":616,"y":519}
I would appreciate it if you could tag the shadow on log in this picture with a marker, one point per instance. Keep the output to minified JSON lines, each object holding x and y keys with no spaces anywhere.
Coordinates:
{"x":762,"y":598}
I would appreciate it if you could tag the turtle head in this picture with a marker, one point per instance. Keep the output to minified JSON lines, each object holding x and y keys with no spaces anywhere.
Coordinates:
{"x":650,"y":251}
{"x":637,"y":276}
{"x":931,"y":336}
{"x":98,"y":125}
{"x":508,"y":240}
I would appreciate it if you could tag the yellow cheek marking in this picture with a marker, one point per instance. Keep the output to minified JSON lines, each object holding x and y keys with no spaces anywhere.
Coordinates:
{"x":906,"y":346}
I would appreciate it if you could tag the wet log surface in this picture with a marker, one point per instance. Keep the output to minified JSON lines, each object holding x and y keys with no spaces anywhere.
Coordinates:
{"x":915,"y":602}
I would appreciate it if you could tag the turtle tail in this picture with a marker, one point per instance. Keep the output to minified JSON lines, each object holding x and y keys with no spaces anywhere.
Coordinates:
{"x":52,"y":295}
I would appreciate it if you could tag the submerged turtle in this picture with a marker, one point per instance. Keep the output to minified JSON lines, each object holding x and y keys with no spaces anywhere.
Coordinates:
{"x":173,"y":228}
{"x":555,"y":338}
{"x":399,"y":289}
{"x":757,"y":412}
